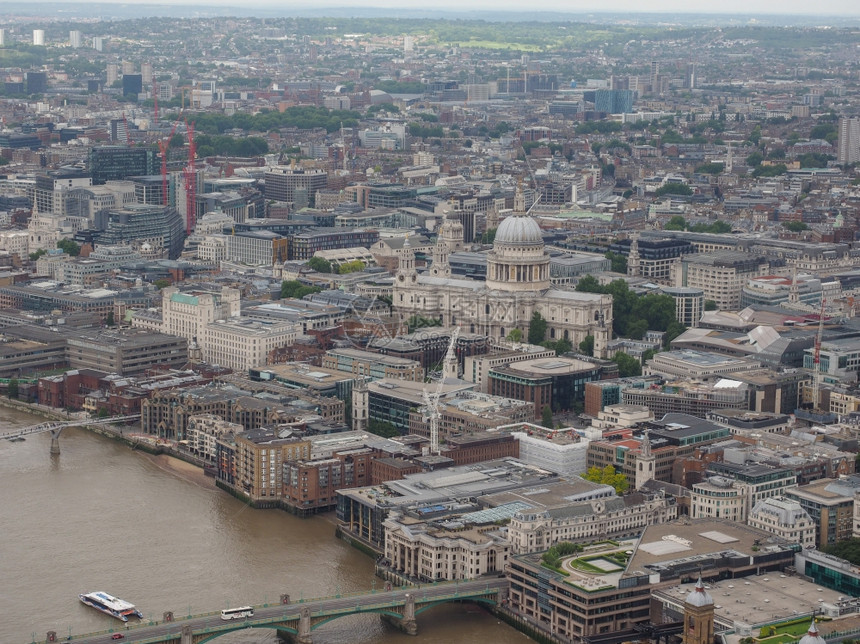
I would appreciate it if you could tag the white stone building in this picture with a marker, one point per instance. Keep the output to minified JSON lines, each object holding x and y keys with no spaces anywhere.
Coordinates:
{"x":784,"y":518}
{"x":204,"y":431}
{"x":241,"y":343}
{"x":517,"y":286}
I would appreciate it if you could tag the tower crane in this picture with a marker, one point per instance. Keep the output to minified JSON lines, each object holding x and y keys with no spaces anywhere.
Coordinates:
{"x":163,"y":146}
{"x":190,"y":182}
{"x":431,"y":401}
{"x":816,"y":359}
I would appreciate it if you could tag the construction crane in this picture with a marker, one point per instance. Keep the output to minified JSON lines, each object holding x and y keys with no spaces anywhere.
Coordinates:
{"x":816,"y":359}
{"x":163,"y":147}
{"x":431,"y":401}
{"x":190,"y":182}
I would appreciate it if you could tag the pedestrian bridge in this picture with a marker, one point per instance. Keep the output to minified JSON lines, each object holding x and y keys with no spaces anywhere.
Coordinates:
{"x":56,"y":427}
{"x":297,"y":621}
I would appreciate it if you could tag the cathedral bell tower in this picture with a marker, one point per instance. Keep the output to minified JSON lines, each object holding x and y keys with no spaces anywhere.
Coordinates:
{"x":645,"y":462}
{"x":699,"y":616}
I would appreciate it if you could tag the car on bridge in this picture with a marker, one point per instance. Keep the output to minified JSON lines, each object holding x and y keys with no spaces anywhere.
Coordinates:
{"x":117,"y":636}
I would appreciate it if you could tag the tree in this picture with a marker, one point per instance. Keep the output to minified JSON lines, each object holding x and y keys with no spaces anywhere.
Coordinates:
{"x":319,"y":264}
{"x":297,"y":290}
{"x":420,"y":322}
{"x":587,"y":345}
{"x":795,"y":226}
{"x":516,"y":335}
{"x":619,"y":262}
{"x":109,"y":320}
{"x":673,"y":188}
{"x":36,"y":255}
{"x":70,"y":247}
{"x":627,"y":365}
{"x":710,"y":305}
{"x":355,"y":266}
{"x":489,"y":236}
{"x":755,"y":159}
{"x":12,"y":388}
{"x":161,"y":283}
{"x":381,"y":428}
{"x":676,"y":223}
{"x":537,"y":328}
{"x":176,"y":141}
{"x":562,"y":346}
{"x":546,"y":417}
{"x":607,"y":476}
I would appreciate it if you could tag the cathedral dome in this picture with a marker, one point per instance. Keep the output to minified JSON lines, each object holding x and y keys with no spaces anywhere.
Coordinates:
{"x":699,"y":597}
{"x":812,"y":636}
{"x":519,"y":230}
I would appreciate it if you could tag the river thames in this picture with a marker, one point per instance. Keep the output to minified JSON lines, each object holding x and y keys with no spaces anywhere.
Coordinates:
{"x":156,"y":532}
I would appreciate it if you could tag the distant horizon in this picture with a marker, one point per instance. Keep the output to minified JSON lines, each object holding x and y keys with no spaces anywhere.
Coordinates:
{"x":729,"y":8}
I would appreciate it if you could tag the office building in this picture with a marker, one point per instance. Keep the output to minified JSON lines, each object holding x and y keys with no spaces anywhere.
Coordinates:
{"x":784,"y":518}
{"x":721,"y":275}
{"x":37,"y":82}
{"x":155,"y":230}
{"x":74,"y":39}
{"x":116,"y":162}
{"x":830,"y":503}
{"x":132,"y":84}
{"x":613,"y":101}
{"x":848,"y":145}
{"x":283,"y":183}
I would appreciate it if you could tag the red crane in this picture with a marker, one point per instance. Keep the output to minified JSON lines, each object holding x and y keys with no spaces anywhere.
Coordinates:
{"x":163,"y":146}
{"x":190,"y":182}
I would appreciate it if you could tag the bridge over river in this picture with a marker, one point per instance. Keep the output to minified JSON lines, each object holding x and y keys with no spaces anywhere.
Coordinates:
{"x":57,"y":426}
{"x":297,"y":621}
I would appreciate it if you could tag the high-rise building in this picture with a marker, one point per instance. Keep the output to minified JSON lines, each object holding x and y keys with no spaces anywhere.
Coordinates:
{"x":2,"y":37}
{"x":146,"y":73}
{"x":131,"y":84}
{"x":127,"y":67}
{"x":38,"y":36}
{"x":849,"y":140}
{"x":112,"y":73}
{"x":115,"y":162}
{"x":282,"y":183}
{"x":37,"y":82}
{"x":75,"y":38}
{"x":98,"y":43}
{"x":157,"y":229}
{"x":613,"y":101}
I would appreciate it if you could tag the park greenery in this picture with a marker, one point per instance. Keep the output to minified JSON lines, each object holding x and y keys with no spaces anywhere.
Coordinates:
{"x":319,"y":264}
{"x":420,"y":322}
{"x":215,"y":145}
{"x":70,"y":247}
{"x":679,"y":223}
{"x":297,"y":290}
{"x":552,"y":558}
{"x":627,"y":365}
{"x":355,"y":266}
{"x":795,"y":226}
{"x":382,"y":428}
{"x":711,"y":168}
{"x":633,"y":314}
{"x":673,"y":188}
{"x":607,"y":476}
{"x":619,"y":262}
{"x":848,"y":549}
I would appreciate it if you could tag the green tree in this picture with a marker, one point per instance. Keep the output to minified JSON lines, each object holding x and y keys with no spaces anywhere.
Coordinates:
{"x":176,"y":141}
{"x":627,"y":365}
{"x":546,"y":417}
{"x":69,"y":246}
{"x":297,"y":290}
{"x":36,"y":255}
{"x":711,"y":168}
{"x":516,"y":335}
{"x":420,"y":322}
{"x":12,"y":388}
{"x":161,"y":283}
{"x":537,"y":328}
{"x":109,"y":320}
{"x":562,"y":346}
{"x":381,"y":428}
{"x":755,"y":159}
{"x":489,"y":236}
{"x":319,"y":264}
{"x":673,"y":188}
{"x":710,"y":305}
{"x":355,"y":266}
{"x":676,"y":223}
{"x":795,"y":226}
{"x":607,"y":476}
{"x":619,"y":262}
{"x":587,"y":345}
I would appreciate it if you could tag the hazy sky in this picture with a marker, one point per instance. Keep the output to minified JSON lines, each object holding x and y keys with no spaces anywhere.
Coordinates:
{"x":822,"y":7}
